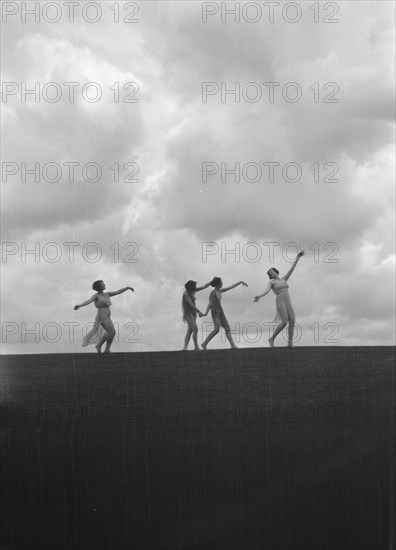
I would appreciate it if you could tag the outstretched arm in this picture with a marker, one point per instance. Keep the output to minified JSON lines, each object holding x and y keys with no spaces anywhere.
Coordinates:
{"x":203,"y":286}
{"x":120,"y":291}
{"x":294,"y":265}
{"x":268,"y":289}
{"x":232,"y":286}
{"x":92,"y":299}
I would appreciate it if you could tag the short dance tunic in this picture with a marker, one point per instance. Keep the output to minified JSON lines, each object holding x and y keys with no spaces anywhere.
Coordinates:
{"x":217,"y":310}
{"x":103,"y":324}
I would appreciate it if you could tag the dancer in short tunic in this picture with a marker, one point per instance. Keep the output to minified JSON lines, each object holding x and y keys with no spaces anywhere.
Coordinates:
{"x":103,"y":329}
{"x":190,"y":312}
{"x":285,"y":312}
{"x":218,"y":316}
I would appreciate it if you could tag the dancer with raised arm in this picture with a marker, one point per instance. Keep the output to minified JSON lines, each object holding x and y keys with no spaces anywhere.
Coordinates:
{"x":103,"y":329}
{"x":219,"y":319}
{"x":284,"y":308}
{"x":190,"y":312}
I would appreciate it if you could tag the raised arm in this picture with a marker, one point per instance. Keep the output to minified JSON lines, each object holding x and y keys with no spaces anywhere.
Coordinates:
{"x":203,"y":286}
{"x":92,"y":299}
{"x":294,"y":265}
{"x":268,"y":289}
{"x":120,"y":291}
{"x":232,"y":286}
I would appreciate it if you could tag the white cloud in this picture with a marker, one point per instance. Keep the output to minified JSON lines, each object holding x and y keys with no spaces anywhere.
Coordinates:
{"x":170,"y":212}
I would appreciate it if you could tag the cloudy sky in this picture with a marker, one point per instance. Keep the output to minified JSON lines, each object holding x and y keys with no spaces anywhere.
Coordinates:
{"x":136,"y":169}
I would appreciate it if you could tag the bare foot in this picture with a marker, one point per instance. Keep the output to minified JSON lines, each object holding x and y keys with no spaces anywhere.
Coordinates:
{"x":107,"y":351}
{"x":271,"y":342}
{"x":203,"y":346}
{"x":98,"y":348}
{"x":197,"y":349}
{"x":234,"y":347}
{"x":290,"y":345}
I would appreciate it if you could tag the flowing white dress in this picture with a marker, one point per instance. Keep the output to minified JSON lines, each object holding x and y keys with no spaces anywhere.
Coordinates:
{"x":103,"y":323}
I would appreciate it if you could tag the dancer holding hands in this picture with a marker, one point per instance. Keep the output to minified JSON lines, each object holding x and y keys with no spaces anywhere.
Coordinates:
{"x":285,"y":311}
{"x":190,"y":312}
{"x":219,"y":319}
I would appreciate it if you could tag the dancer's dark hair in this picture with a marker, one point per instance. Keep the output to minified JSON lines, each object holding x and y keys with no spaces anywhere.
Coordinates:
{"x":215,"y":281}
{"x":190,"y":286}
{"x":273,"y":269}
{"x":96,"y":285}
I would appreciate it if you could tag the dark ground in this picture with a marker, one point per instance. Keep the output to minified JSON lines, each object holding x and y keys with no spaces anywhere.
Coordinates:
{"x":255,"y":449}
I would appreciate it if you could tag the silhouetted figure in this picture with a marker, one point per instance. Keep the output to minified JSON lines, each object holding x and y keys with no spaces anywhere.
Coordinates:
{"x":190,"y":312}
{"x":284,"y":308}
{"x":219,"y":319}
{"x":103,"y":329}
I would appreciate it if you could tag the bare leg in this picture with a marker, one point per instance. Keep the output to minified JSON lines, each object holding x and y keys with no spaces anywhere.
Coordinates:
{"x":195,"y":339}
{"x":109,"y":342}
{"x":109,"y":337}
{"x":278,"y":329}
{"x":102,"y":341}
{"x":187,"y":338}
{"x":282,"y":311}
{"x":291,"y":332}
{"x":211,"y":335}
{"x":292,"y":320}
{"x":229,"y":338}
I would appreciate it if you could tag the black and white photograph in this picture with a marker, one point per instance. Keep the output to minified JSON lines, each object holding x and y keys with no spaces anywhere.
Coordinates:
{"x":198,"y":275}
